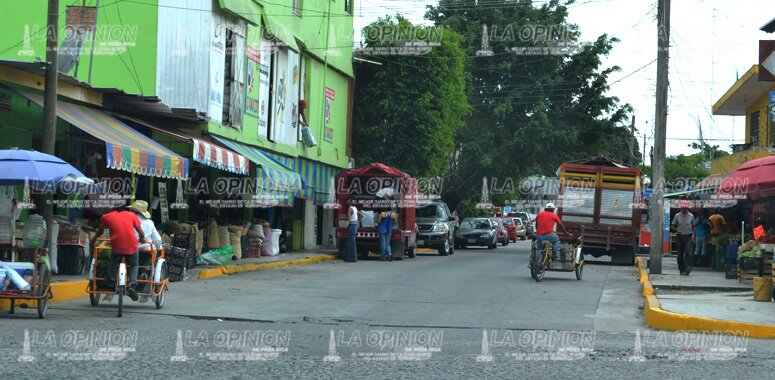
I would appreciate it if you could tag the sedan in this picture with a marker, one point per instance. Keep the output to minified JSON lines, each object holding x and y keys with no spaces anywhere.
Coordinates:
{"x":520,"y":229}
{"x":500,"y":230}
{"x":511,"y":227}
{"x":476,"y":232}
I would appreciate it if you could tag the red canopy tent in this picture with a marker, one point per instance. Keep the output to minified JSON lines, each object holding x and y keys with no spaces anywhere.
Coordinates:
{"x":755,"y":179}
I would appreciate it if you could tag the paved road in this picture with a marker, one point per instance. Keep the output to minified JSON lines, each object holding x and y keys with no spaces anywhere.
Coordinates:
{"x":420,"y":318}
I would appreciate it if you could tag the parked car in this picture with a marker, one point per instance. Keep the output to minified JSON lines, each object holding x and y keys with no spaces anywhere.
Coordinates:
{"x":476,"y":232}
{"x":520,"y":229}
{"x":500,"y":230}
{"x":436,"y":228}
{"x":528,"y":219}
{"x":511,"y":227}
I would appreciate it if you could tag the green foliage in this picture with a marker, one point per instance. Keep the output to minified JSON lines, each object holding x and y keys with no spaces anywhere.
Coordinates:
{"x":530,"y":112}
{"x":681,"y":167}
{"x":409,"y":110}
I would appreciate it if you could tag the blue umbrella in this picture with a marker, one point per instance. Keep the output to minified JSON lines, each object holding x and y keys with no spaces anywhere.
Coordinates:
{"x":41,"y":170}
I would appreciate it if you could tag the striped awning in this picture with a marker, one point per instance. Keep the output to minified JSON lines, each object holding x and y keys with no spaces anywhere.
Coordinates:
{"x":219,"y":158}
{"x":126,"y":148}
{"x":278,"y":181}
{"x":317,"y":178}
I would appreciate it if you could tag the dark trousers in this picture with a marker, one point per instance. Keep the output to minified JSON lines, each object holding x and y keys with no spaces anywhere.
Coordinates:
{"x":131,"y":261}
{"x":685,"y":253}
{"x":352,"y":245}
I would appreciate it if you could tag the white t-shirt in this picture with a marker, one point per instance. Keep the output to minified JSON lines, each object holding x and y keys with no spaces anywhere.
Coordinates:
{"x":149,"y":229}
{"x":354,"y":216}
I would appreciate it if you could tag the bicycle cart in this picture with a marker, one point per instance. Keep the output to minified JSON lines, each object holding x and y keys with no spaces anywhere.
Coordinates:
{"x":152,"y":280}
{"x":33,"y":263}
{"x":571,"y":259}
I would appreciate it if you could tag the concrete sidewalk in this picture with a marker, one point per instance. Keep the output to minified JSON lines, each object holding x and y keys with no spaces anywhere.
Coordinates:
{"x":703,"y":301}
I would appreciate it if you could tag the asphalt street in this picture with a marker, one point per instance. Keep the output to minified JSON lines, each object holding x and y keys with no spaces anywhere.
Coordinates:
{"x":476,"y":313}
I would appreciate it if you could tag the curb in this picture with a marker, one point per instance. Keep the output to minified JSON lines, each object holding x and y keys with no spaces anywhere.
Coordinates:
{"x":660,"y":319}
{"x":71,"y":290}
{"x":230,"y":269}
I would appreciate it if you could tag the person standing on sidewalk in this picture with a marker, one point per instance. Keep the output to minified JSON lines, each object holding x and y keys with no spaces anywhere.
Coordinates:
{"x":353,"y":216}
{"x":701,"y":233}
{"x":683,"y":223}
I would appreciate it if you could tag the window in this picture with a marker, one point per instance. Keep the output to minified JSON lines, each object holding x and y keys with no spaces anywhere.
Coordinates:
{"x":348,"y":6}
{"x":228,"y":75}
{"x":755,"y":128}
{"x":297,"y":7}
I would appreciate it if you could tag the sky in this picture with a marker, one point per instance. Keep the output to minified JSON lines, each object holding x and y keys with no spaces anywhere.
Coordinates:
{"x":713,"y":42}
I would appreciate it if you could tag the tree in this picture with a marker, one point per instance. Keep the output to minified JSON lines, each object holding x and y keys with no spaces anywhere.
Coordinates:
{"x":530,"y":112}
{"x":408,"y":110}
{"x":688,"y":170}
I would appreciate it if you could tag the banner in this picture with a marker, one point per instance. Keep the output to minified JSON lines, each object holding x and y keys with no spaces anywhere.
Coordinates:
{"x":264,"y":61}
{"x":251,"y":82}
{"x":328,"y":132}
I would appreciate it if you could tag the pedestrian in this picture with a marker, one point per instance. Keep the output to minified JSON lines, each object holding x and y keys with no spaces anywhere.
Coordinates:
{"x":718,"y":224}
{"x":683,"y":224}
{"x":385,"y":219}
{"x":353,"y":216}
{"x":122,"y":225}
{"x":702,"y":228}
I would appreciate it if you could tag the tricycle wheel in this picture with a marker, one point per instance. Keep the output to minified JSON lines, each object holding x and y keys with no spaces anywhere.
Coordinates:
{"x":580,"y":271}
{"x":121,"y":291}
{"x":412,"y":252}
{"x":94,"y":298}
{"x":42,"y":290}
{"x":162,"y":297}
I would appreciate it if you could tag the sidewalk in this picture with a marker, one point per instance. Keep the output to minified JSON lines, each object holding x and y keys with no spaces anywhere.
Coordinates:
{"x":703,"y":301}
{"x":705,"y":293}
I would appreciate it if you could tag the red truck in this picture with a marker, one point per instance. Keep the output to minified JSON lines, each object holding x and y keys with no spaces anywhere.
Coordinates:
{"x":601,"y":200}
{"x":367,"y":186}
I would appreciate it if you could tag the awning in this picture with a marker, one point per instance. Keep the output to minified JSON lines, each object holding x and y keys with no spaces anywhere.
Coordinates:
{"x":280,"y":32}
{"x":204,"y":152}
{"x":246,"y":9}
{"x":316,"y":177}
{"x":278,"y":180}
{"x":219,"y":158}
{"x":126,"y":148}
{"x":744,"y":93}
{"x":753,"y":179}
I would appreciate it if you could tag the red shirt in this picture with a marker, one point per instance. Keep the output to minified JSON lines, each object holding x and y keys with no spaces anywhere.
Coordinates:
{"x":121,"y":225}
{"x":545,"y":222}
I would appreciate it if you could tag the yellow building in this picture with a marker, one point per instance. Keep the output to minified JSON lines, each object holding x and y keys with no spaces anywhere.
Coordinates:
{"x":750,"y":98}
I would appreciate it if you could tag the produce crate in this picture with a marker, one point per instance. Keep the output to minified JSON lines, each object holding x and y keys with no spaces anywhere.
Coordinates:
{"x":72,"y":234}
{"x":184,"y":240}
{"x":176,"y":273}
{"x":749,"y":263}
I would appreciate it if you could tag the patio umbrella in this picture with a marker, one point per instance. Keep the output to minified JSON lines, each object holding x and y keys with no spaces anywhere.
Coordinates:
{"x":19,"y":167}
{"x":755,"y":178}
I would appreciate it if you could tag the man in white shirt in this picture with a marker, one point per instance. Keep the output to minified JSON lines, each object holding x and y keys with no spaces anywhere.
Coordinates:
{"x":146,"y":224}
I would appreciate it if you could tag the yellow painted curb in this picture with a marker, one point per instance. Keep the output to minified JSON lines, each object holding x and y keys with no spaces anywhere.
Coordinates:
{"x":251,"y":267}
{"x":210,"y":273}
{"x":61,"y":291}
{"x":658,"y":318}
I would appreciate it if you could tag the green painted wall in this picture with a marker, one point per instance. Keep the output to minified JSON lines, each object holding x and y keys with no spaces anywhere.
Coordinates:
{"x":124,"y":48}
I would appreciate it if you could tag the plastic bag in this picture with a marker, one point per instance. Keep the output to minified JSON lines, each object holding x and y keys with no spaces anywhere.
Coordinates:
{"x":308,"y":137}
{"x":220,"y":256}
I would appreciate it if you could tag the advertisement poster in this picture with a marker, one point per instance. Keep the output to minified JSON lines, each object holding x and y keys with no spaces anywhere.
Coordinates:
{"x":251,"y":82}
{"x":328,"y":132}
{"x":217,"y":63}
{"x":264,"y":60}
{"x":279,"y":99}
{"x":772,"y":107}
{"x":293,"y":97}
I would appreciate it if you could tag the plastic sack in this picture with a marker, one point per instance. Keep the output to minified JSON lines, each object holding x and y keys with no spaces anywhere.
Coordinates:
{"x":220,"y":256}
{"x":223,"y":236}
{"x":212,"y":236}
{"x":308,"y":136}
{"x":367,"y":220}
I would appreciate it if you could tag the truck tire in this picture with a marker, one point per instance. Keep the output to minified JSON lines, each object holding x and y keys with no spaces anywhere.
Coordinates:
{"x":623,"y":256}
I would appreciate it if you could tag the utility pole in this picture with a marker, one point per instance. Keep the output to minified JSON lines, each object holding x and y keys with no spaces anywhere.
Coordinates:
{"x":50,"y":102}
{"x":633,"y":141}
{"x":657,"y":215}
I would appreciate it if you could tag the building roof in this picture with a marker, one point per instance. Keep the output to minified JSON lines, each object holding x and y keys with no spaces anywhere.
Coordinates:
{"x":742,"y":94}
{"x":769,"y":27}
